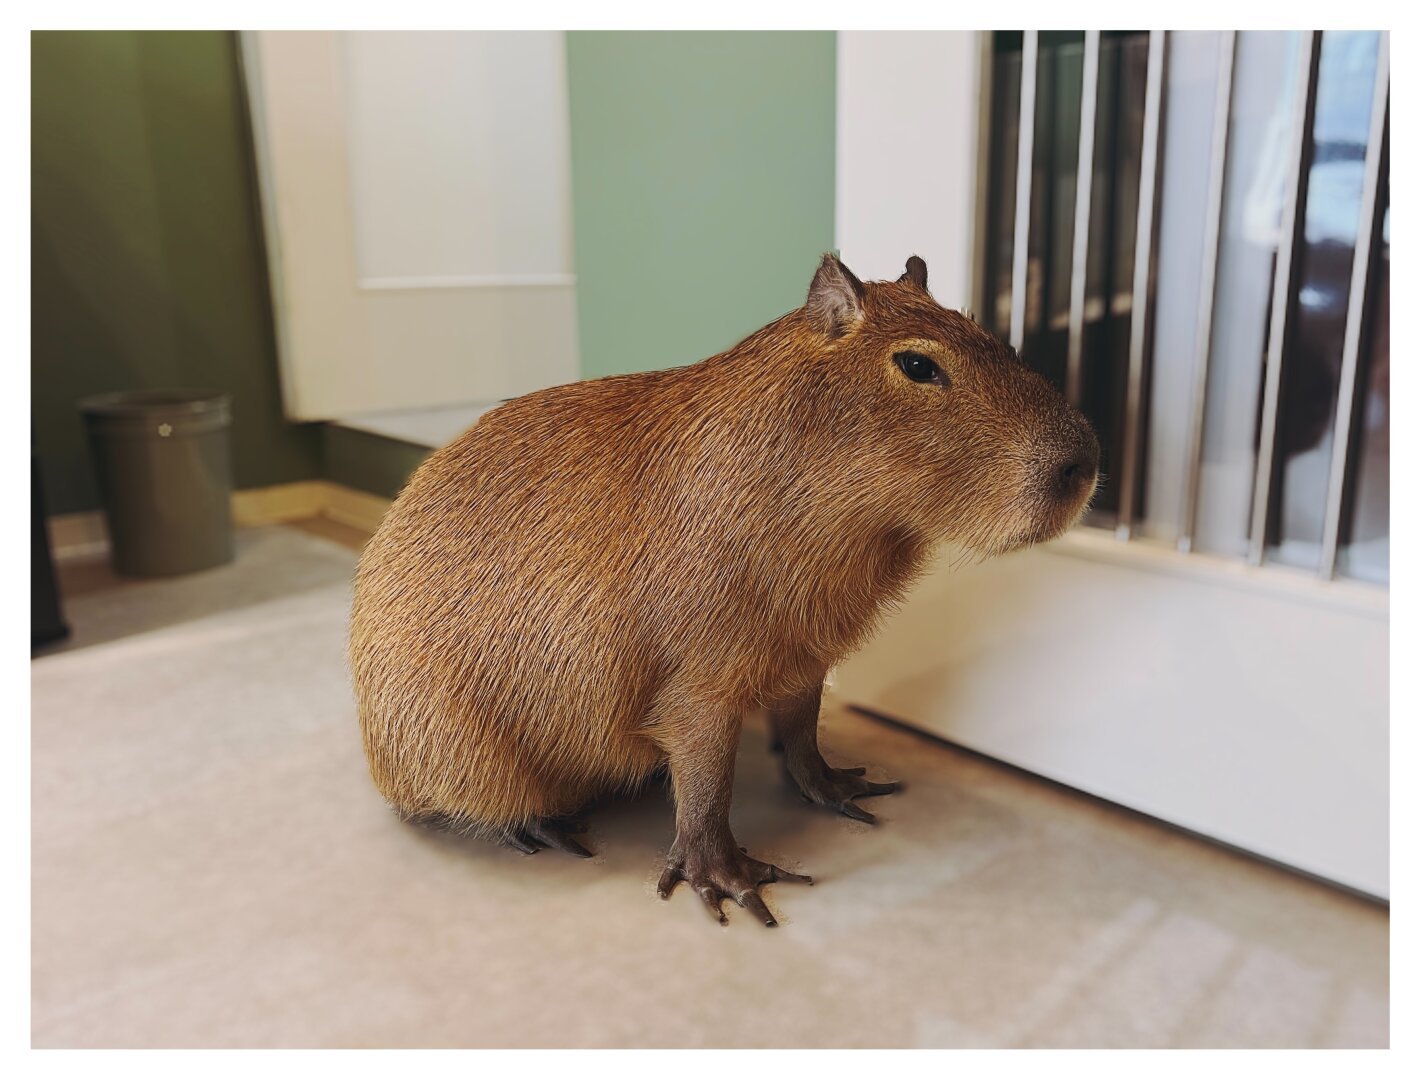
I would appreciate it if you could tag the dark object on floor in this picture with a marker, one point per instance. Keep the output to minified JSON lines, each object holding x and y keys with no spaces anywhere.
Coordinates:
{"x":163,"y":463}
{"x":46,"y":617}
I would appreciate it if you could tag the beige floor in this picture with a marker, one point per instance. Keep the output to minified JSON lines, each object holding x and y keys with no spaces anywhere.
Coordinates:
{"x":211,"y":867}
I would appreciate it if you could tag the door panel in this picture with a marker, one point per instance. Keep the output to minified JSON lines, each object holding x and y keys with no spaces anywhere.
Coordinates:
{"x":416,"y":189}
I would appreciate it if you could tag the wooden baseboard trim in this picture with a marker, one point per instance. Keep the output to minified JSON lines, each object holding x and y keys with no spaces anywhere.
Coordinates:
{"x":358,"y":509}
{"x":275,"y":505}
{"x":76,"y":535}
{"x":85,"y":534}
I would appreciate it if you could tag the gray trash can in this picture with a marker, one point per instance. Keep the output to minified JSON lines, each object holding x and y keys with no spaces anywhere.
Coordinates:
{"x":163,"y":463}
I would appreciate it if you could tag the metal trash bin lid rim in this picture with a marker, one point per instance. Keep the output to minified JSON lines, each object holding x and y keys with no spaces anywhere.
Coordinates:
{"x":179,"y":412}
{"x":151,"y":402}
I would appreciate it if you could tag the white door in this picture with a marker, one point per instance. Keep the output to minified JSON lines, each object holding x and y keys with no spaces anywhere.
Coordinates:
{"x":417,"y":197}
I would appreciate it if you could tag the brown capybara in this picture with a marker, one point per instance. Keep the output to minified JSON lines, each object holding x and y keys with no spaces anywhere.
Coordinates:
{"x":602,"y":578}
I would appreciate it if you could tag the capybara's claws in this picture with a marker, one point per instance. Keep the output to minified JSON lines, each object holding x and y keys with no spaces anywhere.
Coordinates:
{"x":556,"y":833}
{"x":714,"y":900}
{"x":754,"y":904}
{"x":778,"y":873}
{"x":886,"y":788}
{"x":670,"y":877}
{"x":837,"y":788}
{"x":736,"y":877}
{"x":851,"y":809}
{"x":519,"y":842}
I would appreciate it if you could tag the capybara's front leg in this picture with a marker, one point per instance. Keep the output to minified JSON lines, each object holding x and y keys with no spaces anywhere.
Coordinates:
{"x":705,"y":854}
{"x":795,"y":722}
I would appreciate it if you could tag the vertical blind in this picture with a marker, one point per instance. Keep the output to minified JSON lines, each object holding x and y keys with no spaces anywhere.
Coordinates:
{"x":1189,"y":234}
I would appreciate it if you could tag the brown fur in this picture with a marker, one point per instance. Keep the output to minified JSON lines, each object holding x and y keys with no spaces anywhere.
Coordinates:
{"x":601,"y":576}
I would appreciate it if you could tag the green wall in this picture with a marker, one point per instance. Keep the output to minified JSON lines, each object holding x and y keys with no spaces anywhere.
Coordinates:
{"x":368,"y":462}
{"x":147,"y":261}
{"x":702,"y":178}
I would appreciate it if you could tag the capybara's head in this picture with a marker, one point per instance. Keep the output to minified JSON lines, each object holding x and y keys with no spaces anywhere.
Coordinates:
{"x":986,"y":451}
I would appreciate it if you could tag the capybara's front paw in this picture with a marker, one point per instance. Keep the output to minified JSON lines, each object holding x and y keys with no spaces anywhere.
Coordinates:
{"x":837,"y":788}
{"x":722,"y":871}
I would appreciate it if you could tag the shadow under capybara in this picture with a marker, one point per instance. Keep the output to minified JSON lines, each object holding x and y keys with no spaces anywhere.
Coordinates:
{"x":600,"y":579}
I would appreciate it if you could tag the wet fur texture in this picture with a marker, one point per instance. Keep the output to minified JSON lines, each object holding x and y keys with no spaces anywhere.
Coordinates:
{"x":602,"y":576}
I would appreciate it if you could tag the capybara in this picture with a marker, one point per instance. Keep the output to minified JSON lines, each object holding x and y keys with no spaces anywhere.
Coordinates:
{"x":599,"y":580}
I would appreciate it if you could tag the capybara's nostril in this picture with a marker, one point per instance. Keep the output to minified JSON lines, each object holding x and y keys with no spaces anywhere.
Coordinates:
{"x":1079,"y":470}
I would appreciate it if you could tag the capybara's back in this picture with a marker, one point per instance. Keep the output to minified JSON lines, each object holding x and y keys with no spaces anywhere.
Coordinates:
{"x":602,"y":578}
{"x":499,"y":669}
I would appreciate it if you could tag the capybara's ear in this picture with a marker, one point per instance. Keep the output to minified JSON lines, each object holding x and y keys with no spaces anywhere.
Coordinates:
{"x":916,"y":272}
{"x":835,"y":298}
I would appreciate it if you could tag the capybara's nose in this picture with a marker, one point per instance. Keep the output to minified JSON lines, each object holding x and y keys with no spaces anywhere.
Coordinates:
{"x":1079,"y":468}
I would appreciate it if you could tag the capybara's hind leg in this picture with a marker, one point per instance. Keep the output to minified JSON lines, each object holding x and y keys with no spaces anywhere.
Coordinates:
{"x":542,"y":833}
{"x":529,"y":839}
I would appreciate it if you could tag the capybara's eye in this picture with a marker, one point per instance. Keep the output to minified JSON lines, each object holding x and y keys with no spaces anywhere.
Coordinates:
{"x":919,"y":368}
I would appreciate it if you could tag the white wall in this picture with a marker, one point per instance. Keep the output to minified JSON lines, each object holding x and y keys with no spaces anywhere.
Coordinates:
{"x":1248,"y":705}
{"x":907,"y":127}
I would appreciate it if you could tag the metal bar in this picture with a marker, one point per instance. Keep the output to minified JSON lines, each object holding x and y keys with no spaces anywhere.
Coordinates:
{"x":1356,"y":308}
{"x":1142,"y":302}
{"x":1289,"y":244}
{"x":1080,"y":247}
{"x":1025,"y":164}
{"x":1047,"y":78}
{"x":1207,"y":285}
{"x":982,"y":286}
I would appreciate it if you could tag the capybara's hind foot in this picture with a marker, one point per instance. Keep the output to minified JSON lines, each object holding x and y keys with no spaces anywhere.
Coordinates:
{"x":548,"y":833}
{"x":720,"y":872}
{"x":820,"y":783}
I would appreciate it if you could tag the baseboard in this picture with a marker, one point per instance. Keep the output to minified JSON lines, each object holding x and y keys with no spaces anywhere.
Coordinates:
{"x":358,"y":509}
{"x":76,"y":535}
{"x":275,"y":505}
{"x":84,"y":534}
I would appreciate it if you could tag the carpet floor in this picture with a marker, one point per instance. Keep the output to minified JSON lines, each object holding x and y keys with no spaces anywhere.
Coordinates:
{"x":212,"y":868}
